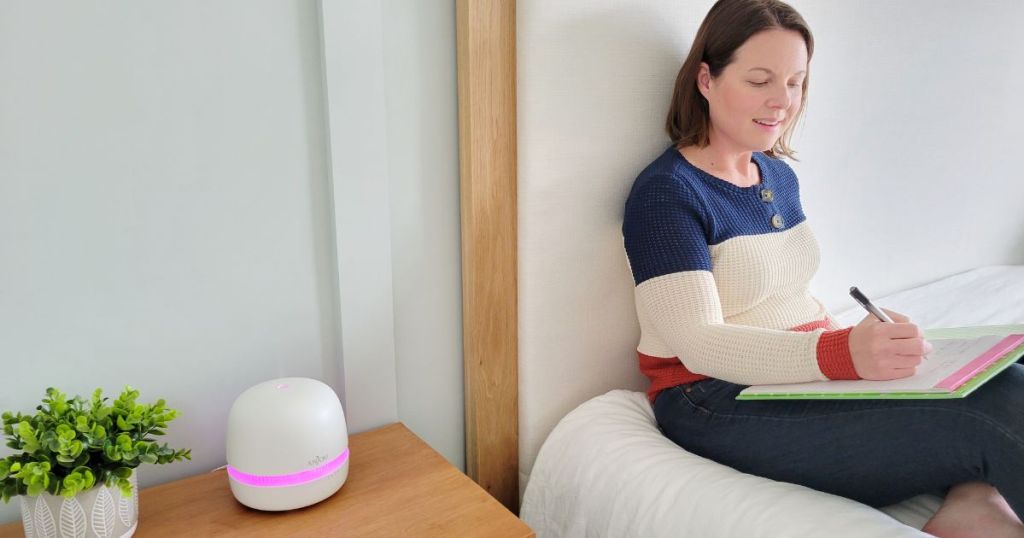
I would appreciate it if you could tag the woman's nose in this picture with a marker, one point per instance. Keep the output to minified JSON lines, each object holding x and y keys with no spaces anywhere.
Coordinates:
{"x":780,"y":98}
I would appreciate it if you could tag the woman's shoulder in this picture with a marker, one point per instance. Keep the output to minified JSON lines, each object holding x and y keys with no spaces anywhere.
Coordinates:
{"x":775,"y":166}
{"x":664,"y":176}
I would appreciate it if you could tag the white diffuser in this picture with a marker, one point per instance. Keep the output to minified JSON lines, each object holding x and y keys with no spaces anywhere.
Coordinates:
{"x":287,"y":444}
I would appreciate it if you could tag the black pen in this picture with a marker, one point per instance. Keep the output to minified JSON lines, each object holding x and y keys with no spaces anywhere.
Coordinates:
{"x":866,"y":303}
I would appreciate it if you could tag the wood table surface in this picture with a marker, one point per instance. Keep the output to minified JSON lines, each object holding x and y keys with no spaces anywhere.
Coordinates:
{"x":397,"y":486}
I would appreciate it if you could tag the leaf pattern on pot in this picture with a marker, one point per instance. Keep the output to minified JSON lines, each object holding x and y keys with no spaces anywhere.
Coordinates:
{"x":131,"y":531}
{"x":126,"y":508}
{"x":45,"y":527}
{"x":103,"y":514}
{"x":26,"y":518}
{"x":72,"y":519}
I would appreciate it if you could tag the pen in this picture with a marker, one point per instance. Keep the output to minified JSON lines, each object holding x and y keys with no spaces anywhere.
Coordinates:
{"x":866,"y":303}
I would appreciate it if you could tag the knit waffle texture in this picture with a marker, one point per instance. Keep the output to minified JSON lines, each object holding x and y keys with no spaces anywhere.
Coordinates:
{"x":722,"y":278}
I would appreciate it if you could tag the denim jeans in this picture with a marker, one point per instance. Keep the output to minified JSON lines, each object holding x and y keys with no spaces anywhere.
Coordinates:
{"x":878,"y":452}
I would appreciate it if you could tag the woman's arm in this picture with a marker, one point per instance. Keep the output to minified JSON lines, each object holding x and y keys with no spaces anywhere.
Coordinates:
{"x":683,"y":309}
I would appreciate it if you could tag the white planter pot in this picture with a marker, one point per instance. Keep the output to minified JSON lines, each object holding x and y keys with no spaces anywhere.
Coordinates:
{"x":100,"y":512}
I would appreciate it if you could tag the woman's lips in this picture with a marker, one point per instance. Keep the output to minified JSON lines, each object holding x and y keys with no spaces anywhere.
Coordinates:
{"x":768,"y":124}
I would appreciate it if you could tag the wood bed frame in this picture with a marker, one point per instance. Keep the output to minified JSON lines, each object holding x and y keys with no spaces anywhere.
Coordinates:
{"x":486,"y":57}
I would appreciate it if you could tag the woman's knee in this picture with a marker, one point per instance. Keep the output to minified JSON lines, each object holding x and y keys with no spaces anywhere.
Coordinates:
{"x":1001,"y":401}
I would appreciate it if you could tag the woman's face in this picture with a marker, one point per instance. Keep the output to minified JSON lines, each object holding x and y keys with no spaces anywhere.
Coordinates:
{"x":757,"y":96}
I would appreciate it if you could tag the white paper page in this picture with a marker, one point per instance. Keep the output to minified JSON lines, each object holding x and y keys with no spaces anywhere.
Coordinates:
{"x":947,"y":357}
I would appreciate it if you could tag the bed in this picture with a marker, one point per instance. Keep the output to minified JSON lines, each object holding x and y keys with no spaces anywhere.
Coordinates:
{"x":561,"y":104}
{"x":606,"y":470}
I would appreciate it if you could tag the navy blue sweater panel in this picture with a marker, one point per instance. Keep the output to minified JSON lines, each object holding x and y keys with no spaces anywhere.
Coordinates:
{"x":675,"y":212}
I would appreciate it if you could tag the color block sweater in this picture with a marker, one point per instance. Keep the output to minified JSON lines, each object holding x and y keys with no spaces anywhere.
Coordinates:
{"x":722,"y":275}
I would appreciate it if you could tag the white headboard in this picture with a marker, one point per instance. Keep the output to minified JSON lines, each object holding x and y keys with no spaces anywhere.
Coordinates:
{"x":907,"y":165}
{"x":594,"y":80}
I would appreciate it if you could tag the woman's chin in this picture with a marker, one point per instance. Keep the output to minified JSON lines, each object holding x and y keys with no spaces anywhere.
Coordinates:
{"x":765,"y":144}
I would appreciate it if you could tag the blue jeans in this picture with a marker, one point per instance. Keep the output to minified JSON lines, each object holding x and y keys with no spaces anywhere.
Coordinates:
{"x":878,"y":452}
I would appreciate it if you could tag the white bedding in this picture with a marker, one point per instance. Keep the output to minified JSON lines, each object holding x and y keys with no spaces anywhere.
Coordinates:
{"x":606,"y":470}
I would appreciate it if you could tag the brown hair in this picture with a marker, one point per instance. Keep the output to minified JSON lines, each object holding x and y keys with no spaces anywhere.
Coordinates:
{"x":728,"y":25}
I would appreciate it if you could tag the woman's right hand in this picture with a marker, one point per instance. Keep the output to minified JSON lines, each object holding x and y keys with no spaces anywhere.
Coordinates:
{"x":882,"y":351}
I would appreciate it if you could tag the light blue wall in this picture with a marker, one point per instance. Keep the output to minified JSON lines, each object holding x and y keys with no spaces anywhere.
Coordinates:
{"x":167,"y":212}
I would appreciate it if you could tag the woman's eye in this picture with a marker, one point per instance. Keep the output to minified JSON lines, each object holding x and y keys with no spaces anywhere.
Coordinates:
{"x":756,"y":83}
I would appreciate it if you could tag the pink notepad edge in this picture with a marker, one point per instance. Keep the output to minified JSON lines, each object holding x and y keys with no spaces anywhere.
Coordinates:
{"x":972,"y":368}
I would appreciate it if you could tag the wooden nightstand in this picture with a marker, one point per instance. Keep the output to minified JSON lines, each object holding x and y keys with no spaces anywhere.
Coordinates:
{"x":396,"y":486}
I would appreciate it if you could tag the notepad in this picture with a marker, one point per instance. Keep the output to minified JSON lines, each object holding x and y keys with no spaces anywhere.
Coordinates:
{"x":962,"y":360}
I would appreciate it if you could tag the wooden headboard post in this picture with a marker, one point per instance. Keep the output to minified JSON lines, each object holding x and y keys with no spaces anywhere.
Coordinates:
{"x":486,"y":56}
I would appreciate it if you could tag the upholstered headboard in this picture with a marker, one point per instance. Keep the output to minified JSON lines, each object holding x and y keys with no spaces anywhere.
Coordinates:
{"x":594,"y":84}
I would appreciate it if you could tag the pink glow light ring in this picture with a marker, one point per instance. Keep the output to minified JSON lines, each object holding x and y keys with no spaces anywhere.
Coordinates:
{"x":291,"y":479}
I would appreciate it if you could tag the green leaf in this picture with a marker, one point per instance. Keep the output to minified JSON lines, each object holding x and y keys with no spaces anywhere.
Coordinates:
{"x":82,"y":459}
{"x":65,"y":432}
{"x":35,"y":489}
{"x":101,"y":413}
{"x":125,"y":486}
{"x":50,"y":441}
{"x":52,"y":484}
{"x":90,"y":479}
{"x":28,"y":436}
{"x":72,"y":484}
{"x":10,"y":489}
{"x":112,"y":453}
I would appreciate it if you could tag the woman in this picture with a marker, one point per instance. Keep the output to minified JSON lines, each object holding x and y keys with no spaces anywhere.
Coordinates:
{"x":722,"y":255}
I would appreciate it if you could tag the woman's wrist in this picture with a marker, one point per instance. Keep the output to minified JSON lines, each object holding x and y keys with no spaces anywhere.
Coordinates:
{"x":834,"y":358}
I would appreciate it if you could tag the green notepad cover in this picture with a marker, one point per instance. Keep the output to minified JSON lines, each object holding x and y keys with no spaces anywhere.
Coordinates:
{"x":931,"y":334}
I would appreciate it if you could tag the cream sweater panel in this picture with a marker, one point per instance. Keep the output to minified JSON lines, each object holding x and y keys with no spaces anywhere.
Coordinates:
{"x":731,"y":323}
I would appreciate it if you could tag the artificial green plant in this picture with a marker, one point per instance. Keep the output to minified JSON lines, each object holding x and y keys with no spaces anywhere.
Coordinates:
{"x":70,"y":445}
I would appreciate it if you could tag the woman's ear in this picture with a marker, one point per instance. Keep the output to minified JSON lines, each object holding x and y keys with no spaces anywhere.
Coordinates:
{"x":704,"y":79}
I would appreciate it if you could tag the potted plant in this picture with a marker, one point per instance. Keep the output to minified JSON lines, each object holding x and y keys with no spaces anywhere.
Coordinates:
{"x":75,"y":473}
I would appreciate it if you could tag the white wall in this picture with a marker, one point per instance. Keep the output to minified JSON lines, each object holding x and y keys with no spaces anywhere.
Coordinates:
{"x":909,"y":167}
{"x":391,"y":89}
{"x":166,"y":190}
{"x":423,"y":174}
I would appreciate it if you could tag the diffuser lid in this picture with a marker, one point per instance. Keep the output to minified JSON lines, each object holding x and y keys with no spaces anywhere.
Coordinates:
{"x":285,"y":425}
